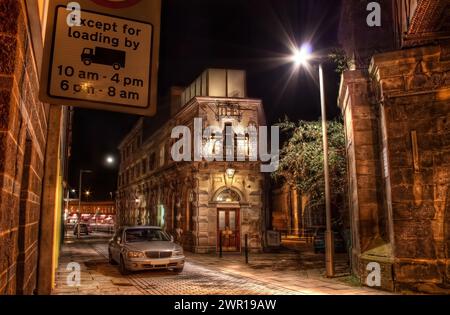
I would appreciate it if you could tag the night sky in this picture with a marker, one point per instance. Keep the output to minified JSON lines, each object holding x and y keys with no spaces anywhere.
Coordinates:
{"x":252,"y":35}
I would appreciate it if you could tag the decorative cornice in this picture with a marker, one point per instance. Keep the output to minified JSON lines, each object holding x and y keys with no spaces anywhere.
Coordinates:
{"x":431,"y":22}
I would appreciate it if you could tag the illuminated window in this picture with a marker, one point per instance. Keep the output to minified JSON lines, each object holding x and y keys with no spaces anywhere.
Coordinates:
{"x":161,"y":215}
{"x":228,"y":195}
{"x":162,"y":157}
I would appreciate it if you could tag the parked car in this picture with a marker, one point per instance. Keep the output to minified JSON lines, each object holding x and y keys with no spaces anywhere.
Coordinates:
{"x":319,"y":241}
{"x":144,"y":248}
{"x":85,"y":229}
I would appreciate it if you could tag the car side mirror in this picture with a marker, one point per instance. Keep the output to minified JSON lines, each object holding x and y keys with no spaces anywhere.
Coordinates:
{"x":119,"y":240}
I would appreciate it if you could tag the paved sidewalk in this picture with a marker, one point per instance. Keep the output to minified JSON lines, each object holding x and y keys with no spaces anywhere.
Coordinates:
{"x":97,"y":276}
{"x":266,"y":274}
{"x":288,"y":270}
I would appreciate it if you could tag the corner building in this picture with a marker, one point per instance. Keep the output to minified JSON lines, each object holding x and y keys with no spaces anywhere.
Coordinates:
{"x":196,"y":201}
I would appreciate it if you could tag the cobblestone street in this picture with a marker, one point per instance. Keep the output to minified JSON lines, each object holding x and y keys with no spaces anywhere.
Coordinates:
{"x":266,"y":274}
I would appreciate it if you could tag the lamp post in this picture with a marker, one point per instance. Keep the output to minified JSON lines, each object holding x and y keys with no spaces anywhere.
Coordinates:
{"x":79,"y":199}
{"x":301,"y":58}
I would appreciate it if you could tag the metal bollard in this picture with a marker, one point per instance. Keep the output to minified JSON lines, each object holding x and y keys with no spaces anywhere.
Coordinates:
{"x":220,"y":244}
{"x":246,"y":248}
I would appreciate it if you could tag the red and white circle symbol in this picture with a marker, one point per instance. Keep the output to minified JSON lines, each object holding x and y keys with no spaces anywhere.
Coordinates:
{"x":116,"y":4}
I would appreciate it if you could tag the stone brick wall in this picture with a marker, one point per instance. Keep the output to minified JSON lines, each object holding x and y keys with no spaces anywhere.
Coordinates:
{"x":23,"y":130}
{"x":398,"y":143}
{"x":415,"y":87}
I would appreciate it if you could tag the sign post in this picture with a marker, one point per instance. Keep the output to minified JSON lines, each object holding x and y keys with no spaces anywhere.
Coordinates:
{"x":102,"y":54}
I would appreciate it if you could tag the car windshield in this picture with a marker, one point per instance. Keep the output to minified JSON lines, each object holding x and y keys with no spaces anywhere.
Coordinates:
{"x":145,"y":235}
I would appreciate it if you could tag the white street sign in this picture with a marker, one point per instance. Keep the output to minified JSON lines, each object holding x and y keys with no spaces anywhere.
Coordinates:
{"x":101,"y":60}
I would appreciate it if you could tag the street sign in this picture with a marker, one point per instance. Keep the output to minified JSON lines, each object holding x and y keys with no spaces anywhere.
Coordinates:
{"x":104,"y":56}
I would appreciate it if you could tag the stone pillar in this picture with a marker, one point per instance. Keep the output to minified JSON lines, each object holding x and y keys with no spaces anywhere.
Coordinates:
{"x":205,"y":241}
{"x":46,"y":264}
{"x":363,"y":154}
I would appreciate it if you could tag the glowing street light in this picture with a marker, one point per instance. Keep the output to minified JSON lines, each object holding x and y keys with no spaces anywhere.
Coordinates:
{"x":110,"y":160}
{"x":301,"y":58}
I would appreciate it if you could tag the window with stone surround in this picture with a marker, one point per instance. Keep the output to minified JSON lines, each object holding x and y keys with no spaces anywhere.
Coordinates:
{"x":152,"y":162}
{"x":144,"y":166}
{"x":228,"y":195}
{"x":162,"y":155}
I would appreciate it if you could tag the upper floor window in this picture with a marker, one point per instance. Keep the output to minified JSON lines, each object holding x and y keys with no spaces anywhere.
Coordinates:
{"x":137,"y":170}
{"x":152,"y":162}
{"x":144,"y":166}
{"x":162,"y":155}
{"x":228,"y":134}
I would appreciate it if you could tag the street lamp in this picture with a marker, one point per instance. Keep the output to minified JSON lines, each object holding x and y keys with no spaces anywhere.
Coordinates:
{"x":110,"y":160}
{"x":79,"y":199}
{"x":301,"y":58}
{"x":88,"y":194}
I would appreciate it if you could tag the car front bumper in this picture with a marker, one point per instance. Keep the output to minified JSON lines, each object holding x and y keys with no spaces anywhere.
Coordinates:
{"x":150,"y":264}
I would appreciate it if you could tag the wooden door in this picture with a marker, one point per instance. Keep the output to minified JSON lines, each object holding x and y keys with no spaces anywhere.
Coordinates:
{"x":228,"y":229}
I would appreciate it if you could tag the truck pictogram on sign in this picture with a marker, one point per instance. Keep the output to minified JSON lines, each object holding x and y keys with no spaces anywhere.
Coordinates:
{"x":104,"y":56}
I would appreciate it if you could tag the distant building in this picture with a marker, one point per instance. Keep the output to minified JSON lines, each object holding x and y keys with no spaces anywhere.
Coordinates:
{"x":395,"y":100}
{"x":93,"y":207}
{"x":196,"y":201}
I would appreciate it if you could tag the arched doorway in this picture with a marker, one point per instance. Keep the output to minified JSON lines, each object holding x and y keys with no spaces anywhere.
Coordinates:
{"x":228,"y":220}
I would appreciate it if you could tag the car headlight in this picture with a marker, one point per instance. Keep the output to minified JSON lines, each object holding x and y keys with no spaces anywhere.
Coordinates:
{"x":178,"y":252}
{"x":132,"y":254}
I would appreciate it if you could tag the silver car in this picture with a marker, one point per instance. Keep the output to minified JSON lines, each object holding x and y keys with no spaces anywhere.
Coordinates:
{"x":144,"y":248}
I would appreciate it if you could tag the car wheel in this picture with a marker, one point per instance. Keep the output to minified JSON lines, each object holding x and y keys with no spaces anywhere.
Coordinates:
{"x":122,"y":268}
{"x":87,"y":62}
{"x":116,"y":66}
{"x":111,"y":259}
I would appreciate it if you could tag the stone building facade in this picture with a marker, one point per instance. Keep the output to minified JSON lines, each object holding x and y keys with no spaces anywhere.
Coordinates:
{"x":196,"y":201}
{"x":32,"y":153}
{"x":395,"y":101}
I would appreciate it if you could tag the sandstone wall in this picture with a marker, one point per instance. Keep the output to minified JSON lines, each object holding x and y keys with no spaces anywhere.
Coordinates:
{"x":23,"y":124}
{"x":398,"y":147}
{"x":415,"y":88}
